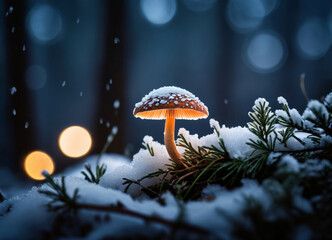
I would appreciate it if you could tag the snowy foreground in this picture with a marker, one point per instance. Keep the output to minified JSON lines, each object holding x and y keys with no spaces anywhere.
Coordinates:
{"x":219,"y":211}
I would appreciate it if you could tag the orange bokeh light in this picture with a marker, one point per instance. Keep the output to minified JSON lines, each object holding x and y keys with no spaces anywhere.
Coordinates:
{"x":36,"y":162}
{"x":75,"y":141}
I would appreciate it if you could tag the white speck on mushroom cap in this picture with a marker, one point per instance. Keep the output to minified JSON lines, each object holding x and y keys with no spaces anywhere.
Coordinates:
{"x":176,"y":102}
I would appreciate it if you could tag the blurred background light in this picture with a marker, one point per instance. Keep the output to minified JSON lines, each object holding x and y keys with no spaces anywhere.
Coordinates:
{"x":313,"y":39}
{"x":35,"y":77}
{"x":329,"y":22}
{"x":199,"y":5}
{"x":158,"y":12}
{"x":75,"y":141}
{"x":44,"y":23}
{"x":269,"y":6}
{"x":36,"y":162}
{"x":265,"y":52}
{"x":246,"y":15}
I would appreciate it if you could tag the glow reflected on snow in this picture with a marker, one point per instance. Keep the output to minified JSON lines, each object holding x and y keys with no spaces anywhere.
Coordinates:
{"x":44,"y":23}
{"x":265,"y":52}
{"x":36,"y":162}
{"x":246,"y":15}
{"x":313,"y":39}
{"x":35,"y":77}
{"x":158,"y":12}
{"x":75,"y":141}
{"x":199,"y":5}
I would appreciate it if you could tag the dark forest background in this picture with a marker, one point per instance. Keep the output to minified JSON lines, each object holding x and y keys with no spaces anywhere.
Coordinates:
{"x":65,"y":63}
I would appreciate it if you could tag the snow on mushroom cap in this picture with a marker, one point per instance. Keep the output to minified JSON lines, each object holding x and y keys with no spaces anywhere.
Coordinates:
{"x":170,"y":102}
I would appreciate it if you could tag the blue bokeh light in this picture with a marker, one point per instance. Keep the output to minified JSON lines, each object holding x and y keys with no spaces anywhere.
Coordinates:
{"x":158,"y":12}
{"x":35,"y":77}
{"x":265,"y":52}
{"x":244,"y":16}
{"x":313,"y":39}
{"x":44,"y":23}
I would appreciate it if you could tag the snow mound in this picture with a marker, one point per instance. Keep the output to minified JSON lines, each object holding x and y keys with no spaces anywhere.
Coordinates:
{"x":111,"y":160}
{"x":143,"y":163}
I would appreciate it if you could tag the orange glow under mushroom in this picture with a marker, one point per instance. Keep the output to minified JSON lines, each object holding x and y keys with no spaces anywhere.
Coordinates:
{"x":177,"y":113}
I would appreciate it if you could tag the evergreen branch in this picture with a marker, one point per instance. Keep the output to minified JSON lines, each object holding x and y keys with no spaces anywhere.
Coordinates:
{"x":94,"y":177}
{"x":110,"y":139}
{"x":60,"y":199}
{"x":58,"y":194}
{"x":119,"y":208}
{"x":213,"y":164}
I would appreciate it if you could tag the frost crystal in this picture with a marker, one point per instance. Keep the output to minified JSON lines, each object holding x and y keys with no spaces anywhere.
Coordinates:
{"x":101,"y":120}
{"x":13,"y":29}
{"x":14,"y":111}
{"x":63,"y":83}
{"x":26,"y":124}
{"x":77,"y":20}
{"x":108,"y":124}
{"x":23,"y":48}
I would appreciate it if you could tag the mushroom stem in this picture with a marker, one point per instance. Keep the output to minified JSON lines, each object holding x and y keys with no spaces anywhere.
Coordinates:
{"x":169,"y":141}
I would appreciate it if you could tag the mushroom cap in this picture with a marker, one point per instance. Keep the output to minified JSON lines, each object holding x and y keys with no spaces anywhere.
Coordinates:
{"x":170,"y":102}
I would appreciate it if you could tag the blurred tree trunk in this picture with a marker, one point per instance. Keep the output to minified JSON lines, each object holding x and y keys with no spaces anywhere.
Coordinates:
{"x":16,"y":58}
{"x":111,"y":91}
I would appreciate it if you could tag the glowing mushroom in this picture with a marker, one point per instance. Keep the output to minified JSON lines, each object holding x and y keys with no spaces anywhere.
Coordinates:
{"x":170,"y":103}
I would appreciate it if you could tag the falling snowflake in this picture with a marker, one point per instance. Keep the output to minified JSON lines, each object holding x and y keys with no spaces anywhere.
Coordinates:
{"x":116,"y":104}
{"x":13,"y":90}
{"x":116,"y":40}
{"x":108,"y":87}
